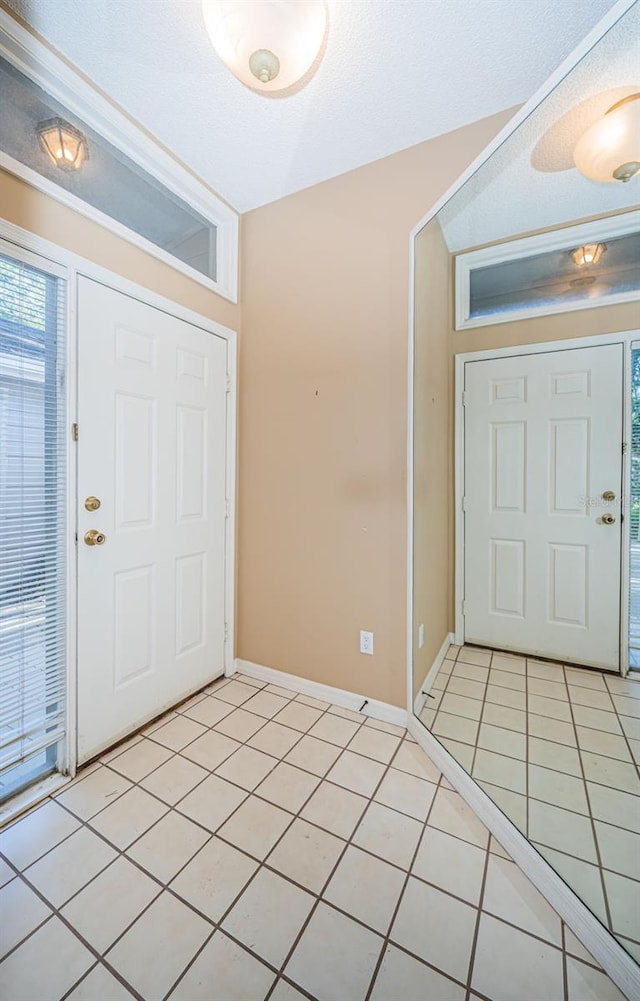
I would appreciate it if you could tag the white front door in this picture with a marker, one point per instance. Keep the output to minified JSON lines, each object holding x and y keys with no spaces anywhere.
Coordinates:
{"x":152,"y":449}
{"x":543,"y":446}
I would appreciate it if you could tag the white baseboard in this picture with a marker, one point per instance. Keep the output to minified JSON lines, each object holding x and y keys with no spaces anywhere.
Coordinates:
{"x":614,"y":960}
{"x":430,"y":676}
{"x":337,"y":696}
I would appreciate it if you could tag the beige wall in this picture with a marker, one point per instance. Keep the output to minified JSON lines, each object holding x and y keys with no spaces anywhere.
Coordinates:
{"x":323,"y":417}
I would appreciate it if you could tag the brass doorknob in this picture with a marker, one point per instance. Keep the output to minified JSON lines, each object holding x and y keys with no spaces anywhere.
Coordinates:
{"x":94,"y":538}
{"x":608,"y":495}
{"x":92,"y":503}
{"x":608,"y":519}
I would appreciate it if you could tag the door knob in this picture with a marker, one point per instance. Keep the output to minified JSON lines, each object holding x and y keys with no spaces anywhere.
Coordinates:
{"x":95,"y":538}
{"x":608,"y":519}
{"x":92,"y":503}
{"x":608,"y":495}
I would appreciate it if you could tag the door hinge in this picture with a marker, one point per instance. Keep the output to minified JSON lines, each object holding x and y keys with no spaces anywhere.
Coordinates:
{"x":227,"y":385}
{"x":464,"y":503}
{"x":464,"y":398}
{"x":74,"y":432}
{"x":227,"y":508}
{"x":464,"y":607}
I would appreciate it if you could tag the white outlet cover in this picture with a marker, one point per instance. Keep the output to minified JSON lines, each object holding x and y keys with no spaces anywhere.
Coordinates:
{"x":366,"y":642}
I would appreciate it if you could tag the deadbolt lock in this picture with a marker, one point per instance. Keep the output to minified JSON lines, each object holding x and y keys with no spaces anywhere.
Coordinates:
{"x":608,"y":495}
{"x":95,"y":538}
{"x":92,"y":503}
{"x":608,"y":519}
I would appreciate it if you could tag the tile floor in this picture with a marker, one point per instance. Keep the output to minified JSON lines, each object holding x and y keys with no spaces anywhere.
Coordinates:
{"x":256,"y":844}
{"x":557,"y":748}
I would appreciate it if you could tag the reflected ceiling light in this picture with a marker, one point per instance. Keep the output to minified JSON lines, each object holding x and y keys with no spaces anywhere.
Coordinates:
{"x":268,"y":44}
{"x":610,"y":149}
{"x":63,"y":143}
{"x":589,"y":254}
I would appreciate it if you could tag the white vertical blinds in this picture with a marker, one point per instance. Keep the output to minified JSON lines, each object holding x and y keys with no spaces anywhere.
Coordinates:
{"x":634,"y":513}
{"x":32,"y":515}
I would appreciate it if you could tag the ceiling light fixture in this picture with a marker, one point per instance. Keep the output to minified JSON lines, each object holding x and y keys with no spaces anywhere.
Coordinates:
{"x":63,"y":143}
{"x":270,"y":45}
{"x":610,"y":149}
{"x":589,"y":254}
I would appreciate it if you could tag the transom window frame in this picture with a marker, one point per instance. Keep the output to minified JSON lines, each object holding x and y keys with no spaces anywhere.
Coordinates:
{"x":56,"y":77}
{"x":564,"y":238}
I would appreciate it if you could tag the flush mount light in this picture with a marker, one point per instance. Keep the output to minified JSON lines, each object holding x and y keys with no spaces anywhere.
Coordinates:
{"x":589,"y":254}
{"x":268,"y":44}
{"x":610,"y":149}
{"x":63,"y":143}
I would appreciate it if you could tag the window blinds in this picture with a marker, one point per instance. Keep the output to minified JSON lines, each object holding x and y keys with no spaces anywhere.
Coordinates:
{"x":32,"y":516}
{"x":634,"y":513}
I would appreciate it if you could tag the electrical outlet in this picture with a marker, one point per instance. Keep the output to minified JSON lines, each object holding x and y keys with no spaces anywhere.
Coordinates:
{"x":421,"y":634}
{"x":366,"y":642}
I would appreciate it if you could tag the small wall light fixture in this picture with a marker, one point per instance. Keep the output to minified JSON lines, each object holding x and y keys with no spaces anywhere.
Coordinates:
{"x":589,"y":254}
{"x":64,"y":144}
{"x":269,"y":45}
{"x":610,"y":149}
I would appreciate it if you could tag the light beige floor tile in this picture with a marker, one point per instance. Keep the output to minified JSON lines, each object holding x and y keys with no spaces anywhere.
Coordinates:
{"x":424,"y":924}
{"x":214,"y":877}
{"x":627,"y":706}
{"x":623,"y":686}
{"x":313,"y":755}
{"x":178,"y":733}
{"x":46,"y":965}
{"x":411,"y":758}
{"x":510,"y":964}
{"x":308,"y":700}
{"x":366,"y":888}
{"x":560,"y":829}
{"x":623,"y":895}
{"x":380,"y":724}
{"x":246,"y":679}
{"x":470,"y":655}
{"x":240,"y":724}
{"x":633,"y":948}
{"x":466,"y":687}
{"x":141,"y":759}
{"x":69,"y":866}
{"x":507,"y":679}
{"x":155,"y":950}
{"x":335,"y":957}
{"x":119,"y":748}
{"x":93,"y":793}
{"x":427,"y":717}
{"x":287,"y":786}
{"x":182,"y":707}
{"x":500,"y":770}
{"x":451,"y":864}
{"x":406,"y":793}
{"x":635,"y":749}
{"x":6,"y":872}
{"x":509,"y":662}
{"x":583,"y":878}
{"x":507,"y":697}
{"x":402,"y":976}
{"x":222,"y":682}
{"x":375,"y":744}
{"x":474,"y":672}
{"x":595,"y":698}
{"x":511,"y":896}
{"x":513,"y":804}
{"x":334,"y":729}
{"x":246,"y":767}
{"x":168,"y":846}
{"x":550,"y":689}
{"x":256,"y":826}
{"x":235,"y":692}
{"x":500,"y":715}
{"x":558,"y":788}
{"x":555,"y":708}
{"x":212,"y":802}
{"x":549,"y":754}
{"x":597,"y":719}
{"x":501,"y":741}
{"x":21,"y":910}
{"x":619,"y":849}
{"x":611,"y":804}
{"x":357,"y":773}
{"x":355,"y":717}
{"x":157,"y":723}
{"x":29,"y":838}
{"x":450,"y":813}
{"x":110,"y":903}
{"x":460,"y":705}
{"x":586,"y":984}
{"x":463,"y":753}
{"x":275,"y":739}
{"x":100,"y":984}
{"x":609,"y":772}
{"x":552,"y":729}
{"x":173,"y":780}
{"x":269,"y":916}
{"x":306,"y":854}
{"x":285,"y":693}
{"x":496,"y":849}
{"x":266,"y":704}
{"x":130,"y":816}
{"x":585,"y":677}
{"x":542,"y":669}
{"x":237,"y":975}
{"x":459,"y":728}
{"x":209,"y":711}
{"x":210,"y":750}
{"x":335,"y":809}
{"x":298,"y":716}
{"x":599,"y":742}
{"x":575,"y":948}
{"x":388,"y":834}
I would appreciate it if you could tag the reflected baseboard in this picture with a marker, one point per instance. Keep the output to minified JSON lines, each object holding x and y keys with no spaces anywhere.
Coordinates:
{"x":430,"y":676}
{"x":614,"y":960}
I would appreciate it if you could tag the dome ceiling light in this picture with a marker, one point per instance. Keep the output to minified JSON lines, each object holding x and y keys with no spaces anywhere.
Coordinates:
{"x":610,"y":149}
{"x":269,"y":45}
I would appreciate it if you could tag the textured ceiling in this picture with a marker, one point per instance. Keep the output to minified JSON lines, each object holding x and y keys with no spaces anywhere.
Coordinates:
{"x":395,"y":72}
{"x":530,"y":182}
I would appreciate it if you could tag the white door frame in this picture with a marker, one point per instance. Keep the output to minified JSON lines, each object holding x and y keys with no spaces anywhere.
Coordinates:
{"x":626,"y":339}
{"x":74,"y":266}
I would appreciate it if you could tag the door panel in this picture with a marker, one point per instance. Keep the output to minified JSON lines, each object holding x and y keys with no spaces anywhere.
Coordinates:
{"x":152,"y":448}
{"x":543,"y":436}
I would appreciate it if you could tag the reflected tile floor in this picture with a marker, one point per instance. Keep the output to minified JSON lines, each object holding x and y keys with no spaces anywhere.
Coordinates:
{"x":259,"y":844}
{"x":557,"y":748}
